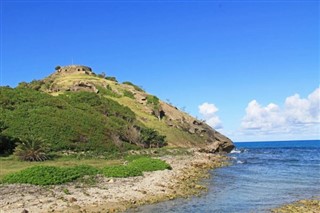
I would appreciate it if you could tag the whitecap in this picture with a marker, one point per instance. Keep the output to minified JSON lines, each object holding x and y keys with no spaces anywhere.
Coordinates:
{"x":235,"y":151}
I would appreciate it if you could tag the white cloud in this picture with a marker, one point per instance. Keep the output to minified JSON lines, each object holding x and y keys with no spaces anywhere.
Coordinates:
{"x":208,"y":112}
{"x":303,"y":111}
{"x":298,"y":116}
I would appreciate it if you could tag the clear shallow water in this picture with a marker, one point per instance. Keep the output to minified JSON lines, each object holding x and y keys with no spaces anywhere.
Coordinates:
{"x":264,"y":175}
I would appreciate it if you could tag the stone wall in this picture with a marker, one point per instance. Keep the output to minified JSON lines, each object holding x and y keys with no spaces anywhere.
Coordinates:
{"x":75,"y":69}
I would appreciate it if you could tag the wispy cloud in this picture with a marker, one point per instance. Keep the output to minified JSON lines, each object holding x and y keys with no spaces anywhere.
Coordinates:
{"x":208,"y":112}
{"x":297,"y":116}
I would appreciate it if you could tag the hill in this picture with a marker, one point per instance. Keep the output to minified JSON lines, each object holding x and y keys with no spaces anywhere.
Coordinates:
{"x":76,"y":109}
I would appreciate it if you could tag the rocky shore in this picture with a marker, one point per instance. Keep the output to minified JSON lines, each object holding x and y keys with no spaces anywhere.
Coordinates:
{"x":301,"y":206}
{"x":117,"y":194}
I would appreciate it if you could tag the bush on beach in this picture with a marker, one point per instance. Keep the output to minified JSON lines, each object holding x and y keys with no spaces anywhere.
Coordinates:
{"x":52,"y":175}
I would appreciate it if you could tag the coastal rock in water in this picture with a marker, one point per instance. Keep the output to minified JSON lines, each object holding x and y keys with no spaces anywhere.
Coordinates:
{"x":225,"y":144}
{"x":221,"y":144}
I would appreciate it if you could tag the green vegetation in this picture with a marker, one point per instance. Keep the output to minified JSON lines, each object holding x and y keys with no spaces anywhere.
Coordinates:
{"x":75,"y":134}
{"x":51,"y":175}
{"x":151,"y":138}
{"x":136,"y":167}
{"x":111,"y":78}
{"x":7,"y":144}
{"x":134,"y":86}
{"x":149,"y":164}
{"x":102,"y":75}
{"x":128,"y":94}
{"x":77,"y":121}
{"x":107,"y":91}
{"x":121,"y":171}
{"x":175,"y":136}
{"x":32,"y":149}
{"x":156,"y":108}
{"x":154,"y":100}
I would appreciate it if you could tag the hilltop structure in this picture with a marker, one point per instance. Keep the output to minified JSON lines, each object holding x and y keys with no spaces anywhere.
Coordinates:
{"x":71,"y":69}
{"x":77,"y":85}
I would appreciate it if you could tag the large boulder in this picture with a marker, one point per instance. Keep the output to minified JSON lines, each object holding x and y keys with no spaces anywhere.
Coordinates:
{"x":225,"y":144}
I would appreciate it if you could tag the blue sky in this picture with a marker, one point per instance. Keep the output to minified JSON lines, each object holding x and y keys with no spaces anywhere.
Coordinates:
{"x":250,"y":68}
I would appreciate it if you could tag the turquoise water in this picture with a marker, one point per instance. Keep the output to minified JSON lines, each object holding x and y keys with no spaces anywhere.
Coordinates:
{"x":264,"y":175}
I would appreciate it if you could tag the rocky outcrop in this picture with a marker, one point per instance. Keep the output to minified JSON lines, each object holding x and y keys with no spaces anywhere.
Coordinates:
{"x":214,"y":141}
{"x":84,"y":86}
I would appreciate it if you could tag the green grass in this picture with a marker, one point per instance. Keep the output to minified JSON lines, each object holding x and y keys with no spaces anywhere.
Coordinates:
{"x":175,"y":137}
{"x":58,"y":172}
{"x":148,"y":164}
{"x":136,"y":167}
{"x":50,"y":175}
{"x":128,"y":94}
{"x":9,"y":165}
{"x":121,"y":171}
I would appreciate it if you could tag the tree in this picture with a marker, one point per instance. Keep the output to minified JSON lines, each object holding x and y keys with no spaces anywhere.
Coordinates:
{"x":151,"y":138}
{"x":132,"y":135}
{"x":32,"y":149}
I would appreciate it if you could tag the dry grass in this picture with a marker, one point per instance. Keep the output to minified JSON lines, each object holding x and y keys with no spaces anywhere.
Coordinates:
{"x":174,"y":136}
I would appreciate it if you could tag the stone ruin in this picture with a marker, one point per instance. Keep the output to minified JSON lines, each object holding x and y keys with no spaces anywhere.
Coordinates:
{"x":78,"y":85}
{"x":74,"y":69}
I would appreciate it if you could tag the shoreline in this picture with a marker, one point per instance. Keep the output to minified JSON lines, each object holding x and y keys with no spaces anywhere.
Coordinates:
{"x":306,"y":206}
{"x":115,"y":194}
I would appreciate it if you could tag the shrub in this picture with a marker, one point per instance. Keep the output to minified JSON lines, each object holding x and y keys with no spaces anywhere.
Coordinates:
{"x":78,"y":121}
{"x":128,"y":94}
{"x":135,"y":157}
{"x":83,"y":170}
{"x":134,"y":86}
{"x":107,"y":91}
{"x":35,"y":85}
{"x":156,"y":108}
{"x":149,"y":164}
{"x":111,"y":78}
{"x":57,"y":67}
{"x":32,"y":149}
{"x":151,"y":138}
{"x":136,"y":167}
{"x":102,"y":75}
{"x":154,"y":100}
{"x":49,"y":175}
{"x":7,"y":144}
{"x":121,"y":171}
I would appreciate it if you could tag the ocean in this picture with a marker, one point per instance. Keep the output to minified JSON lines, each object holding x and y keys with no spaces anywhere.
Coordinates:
{"x":263,"y":175}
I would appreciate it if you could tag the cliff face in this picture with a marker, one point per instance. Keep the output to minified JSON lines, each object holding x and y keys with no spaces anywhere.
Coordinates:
{"x":180,"y":129}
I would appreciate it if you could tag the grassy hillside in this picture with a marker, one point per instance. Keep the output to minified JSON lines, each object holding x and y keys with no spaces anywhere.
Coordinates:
{"x":78,"y":121}
{"x":82,"y":111}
